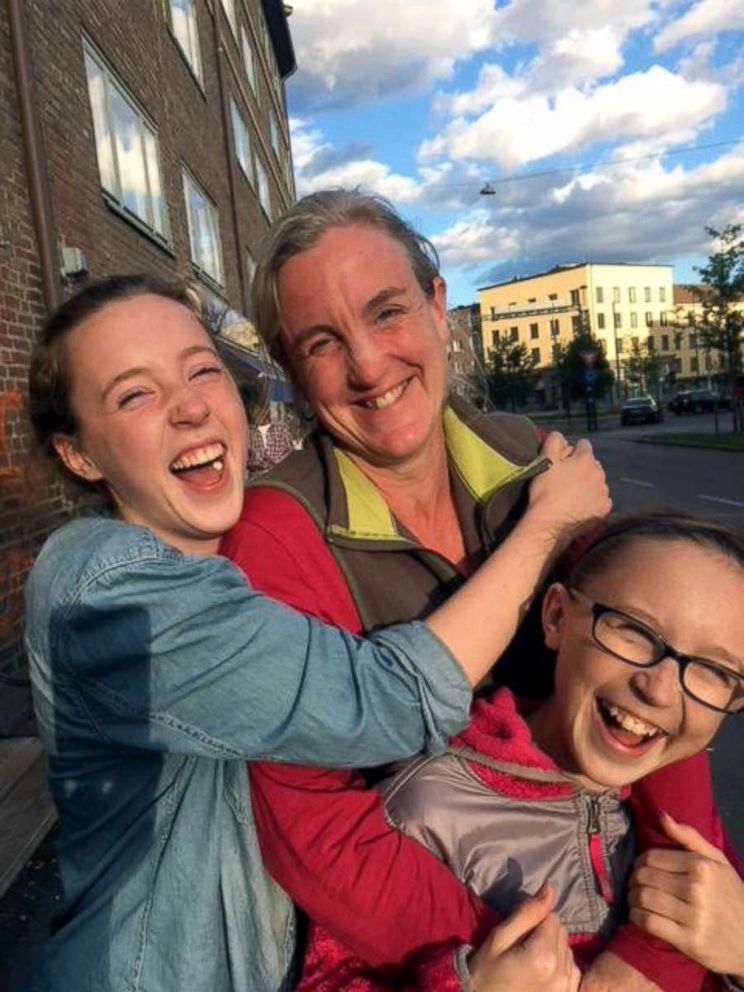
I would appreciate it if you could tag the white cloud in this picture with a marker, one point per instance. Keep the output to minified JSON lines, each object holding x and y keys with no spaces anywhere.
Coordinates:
{"x":524,"y":126}
{"x":638,"y":212}
{"x":350,"y":51}
{"x":547,"y":20}
{"x":703,"y":19}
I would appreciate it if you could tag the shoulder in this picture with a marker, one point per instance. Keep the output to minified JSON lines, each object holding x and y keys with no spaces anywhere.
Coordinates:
{"x":423,"y":790}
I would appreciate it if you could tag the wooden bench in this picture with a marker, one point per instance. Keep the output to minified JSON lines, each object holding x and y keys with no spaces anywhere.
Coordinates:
{"x":27,"y":812}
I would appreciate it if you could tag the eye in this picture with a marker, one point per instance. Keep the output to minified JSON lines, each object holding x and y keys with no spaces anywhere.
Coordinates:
{"x":206,"y":371}
{"x":131,"y":398}
{"x":320,"y":345}
{"x":389,"y":313}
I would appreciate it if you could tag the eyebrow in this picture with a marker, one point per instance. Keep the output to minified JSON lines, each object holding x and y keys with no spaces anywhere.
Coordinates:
{"x":132,"y":373}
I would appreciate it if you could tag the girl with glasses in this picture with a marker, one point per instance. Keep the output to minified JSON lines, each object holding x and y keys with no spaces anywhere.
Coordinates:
{"x":648,"y":636}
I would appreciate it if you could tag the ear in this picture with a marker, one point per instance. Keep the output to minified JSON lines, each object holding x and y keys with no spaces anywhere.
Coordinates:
{"x":438,"y":305}
{"x":74,"y":459}
{"x":553,"y":615}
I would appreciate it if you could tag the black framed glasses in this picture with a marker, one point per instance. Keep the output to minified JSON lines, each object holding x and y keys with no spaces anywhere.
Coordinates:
{"x":630,"y":640}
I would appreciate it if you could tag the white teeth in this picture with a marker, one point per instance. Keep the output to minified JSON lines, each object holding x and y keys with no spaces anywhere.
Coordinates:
{"x":201,"y":456}
{"x":631,"y":723}
{"x":387,"y":399}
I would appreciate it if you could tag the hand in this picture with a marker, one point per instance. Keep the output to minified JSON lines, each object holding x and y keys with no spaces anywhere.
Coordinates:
{"x":692,"y":898}
{"x":529,"y":951}
{"x":572,"y":491}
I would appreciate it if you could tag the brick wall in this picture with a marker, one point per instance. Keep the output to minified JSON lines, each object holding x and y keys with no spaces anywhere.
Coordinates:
{"x":137,"y":45}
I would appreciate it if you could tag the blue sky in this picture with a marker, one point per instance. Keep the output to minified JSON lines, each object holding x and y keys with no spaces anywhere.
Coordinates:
{"x":609,"y":129}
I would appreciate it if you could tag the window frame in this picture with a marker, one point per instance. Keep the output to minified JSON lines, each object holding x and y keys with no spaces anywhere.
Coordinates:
{"x":247,"y":168}
{"x":262,"y":185}
{"x":246,"y":45}
{"x":214,"y":279}
{"x":196,"y":70}
{"x":115,"y":197}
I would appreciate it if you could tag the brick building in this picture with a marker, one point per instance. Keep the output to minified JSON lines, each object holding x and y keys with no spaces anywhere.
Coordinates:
{"x":146,"y":136}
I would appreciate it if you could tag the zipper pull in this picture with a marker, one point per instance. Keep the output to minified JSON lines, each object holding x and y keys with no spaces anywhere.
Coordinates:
{"x":593,"y":815}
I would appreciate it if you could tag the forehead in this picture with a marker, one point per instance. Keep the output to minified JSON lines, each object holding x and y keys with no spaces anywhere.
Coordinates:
{"x":143,"y":330}
{"x":353,"y":262}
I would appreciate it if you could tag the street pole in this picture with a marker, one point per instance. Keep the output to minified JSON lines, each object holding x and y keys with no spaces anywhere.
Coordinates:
{"x":617,"y":353}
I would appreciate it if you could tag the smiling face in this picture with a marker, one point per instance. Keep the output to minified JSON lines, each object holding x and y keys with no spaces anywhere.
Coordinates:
{"x":159,"y":420}
{"x":612,"y":723}
{"x":365,"y":345}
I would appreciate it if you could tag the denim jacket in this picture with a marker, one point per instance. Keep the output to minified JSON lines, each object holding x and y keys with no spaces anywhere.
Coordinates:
{"x":156,"y":675}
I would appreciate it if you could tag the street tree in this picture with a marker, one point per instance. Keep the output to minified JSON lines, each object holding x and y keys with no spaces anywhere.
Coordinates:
{"x":570,"y":364}
{"x":720,"y":323}
{"x":647,"y":367}
{"x":510,"y":373}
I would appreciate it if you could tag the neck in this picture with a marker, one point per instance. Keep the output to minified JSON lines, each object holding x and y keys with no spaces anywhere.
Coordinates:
{"x":419,"y":494}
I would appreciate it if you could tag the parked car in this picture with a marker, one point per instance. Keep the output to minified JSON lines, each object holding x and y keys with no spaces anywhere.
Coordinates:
{"x":640,"y":410}
{"x":698,"y":401}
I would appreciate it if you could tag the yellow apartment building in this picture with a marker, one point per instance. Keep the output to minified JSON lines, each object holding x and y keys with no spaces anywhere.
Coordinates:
{"x":622,"y":304}
{"x":694,"y":360}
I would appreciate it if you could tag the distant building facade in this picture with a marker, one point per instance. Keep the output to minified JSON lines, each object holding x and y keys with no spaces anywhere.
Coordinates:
{"x":697,"y":362}
{"x":145,"y":136}
{"x":623,"y":305}
{"x":466,"y":346}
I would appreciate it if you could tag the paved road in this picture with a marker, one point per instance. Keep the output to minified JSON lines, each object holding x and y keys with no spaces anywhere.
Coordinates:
{"x":699,"y":481}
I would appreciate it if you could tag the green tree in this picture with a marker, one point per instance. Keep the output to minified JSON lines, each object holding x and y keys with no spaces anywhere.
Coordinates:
{"x":510,"y":373}
{"x":571,"y":367}
{"x":646,"y":367}
{"x":720,"y":325}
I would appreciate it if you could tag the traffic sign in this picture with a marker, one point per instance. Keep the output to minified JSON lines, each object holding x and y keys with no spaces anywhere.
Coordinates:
{"x":590,"y":376}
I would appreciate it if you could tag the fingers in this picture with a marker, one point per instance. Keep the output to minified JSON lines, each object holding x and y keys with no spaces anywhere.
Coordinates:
{"x":689,"y":838}
{"x":677,"y":884}
{"x":554,"y":446}
{"x":671,"y":904}
{"x":519,"y":924}
{"x":658,"y":926}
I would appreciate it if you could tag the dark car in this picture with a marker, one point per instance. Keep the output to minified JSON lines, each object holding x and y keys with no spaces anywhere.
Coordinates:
{"x":698,"y":401}
{"x":640,"y":410}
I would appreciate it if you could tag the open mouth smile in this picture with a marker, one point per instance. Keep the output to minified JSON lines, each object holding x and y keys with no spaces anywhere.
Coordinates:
{"x":625,"y":728}
{"x":386,"y":399}
{"x":202,"y":466}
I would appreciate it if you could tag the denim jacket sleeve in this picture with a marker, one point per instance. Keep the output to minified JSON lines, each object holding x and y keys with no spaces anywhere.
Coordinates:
{"x":177,"y":653}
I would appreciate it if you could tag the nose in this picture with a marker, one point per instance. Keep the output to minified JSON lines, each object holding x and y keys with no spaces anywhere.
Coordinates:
{"x":659,"y":685}
{"x":188,"y":408}
{"x":364,"y":360}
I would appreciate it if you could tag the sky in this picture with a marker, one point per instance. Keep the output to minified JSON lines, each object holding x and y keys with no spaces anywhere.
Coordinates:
{"x":609,"y":130}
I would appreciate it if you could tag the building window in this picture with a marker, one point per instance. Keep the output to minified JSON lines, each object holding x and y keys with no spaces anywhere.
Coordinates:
{"x":602,"y":345}
{"x":634,"y":319}
{"x":631,"y":294}
{"x":126,"y":148}
{"x":555,"y":327}
{"x":552,"y":296}
{"x":693,"y":340}
{"x":665,"y":342}
{"x":493,"y":313}
{"x":250,"y":267}
{"x":694,"y":365}
{"x":514,"y":334}
{"x":229,"y":7}
{"x":576,"y":324}
{"x":647,"y":294}
{"x":615,"y":294}
{"x":601,"y":321}
{"x":574,"y":297}
{"x":650,"y":342}
{"x":536,"y":356}
{"x":600,"y":294}
{"x":532,"y":299}
{"x":635,"y":342}
{"x":663,"y":318}
{"x":204,"y":229}
{"x":263,"y":188}
{"x":249,"y":62}
{"x":662,"y":294}
{"x":182,"y":20}
{"x":494,"y":338}
{"x":616,"y":320}
{"x":241,"y":142}
{"x":274,"y":132}
{"x":649,"y":319}
{"x":534,"y":331}
{"x":691,"y":318}
{"x":708,"y":362}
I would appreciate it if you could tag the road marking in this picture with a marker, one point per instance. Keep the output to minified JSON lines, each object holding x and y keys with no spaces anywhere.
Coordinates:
{"x":719,"y":499}
{"x":637,"y":482}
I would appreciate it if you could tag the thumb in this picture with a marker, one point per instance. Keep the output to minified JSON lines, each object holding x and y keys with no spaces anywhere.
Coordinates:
{"x":553,"y":445}
{"x":690,"y":839}
{"x":521,"y":922}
